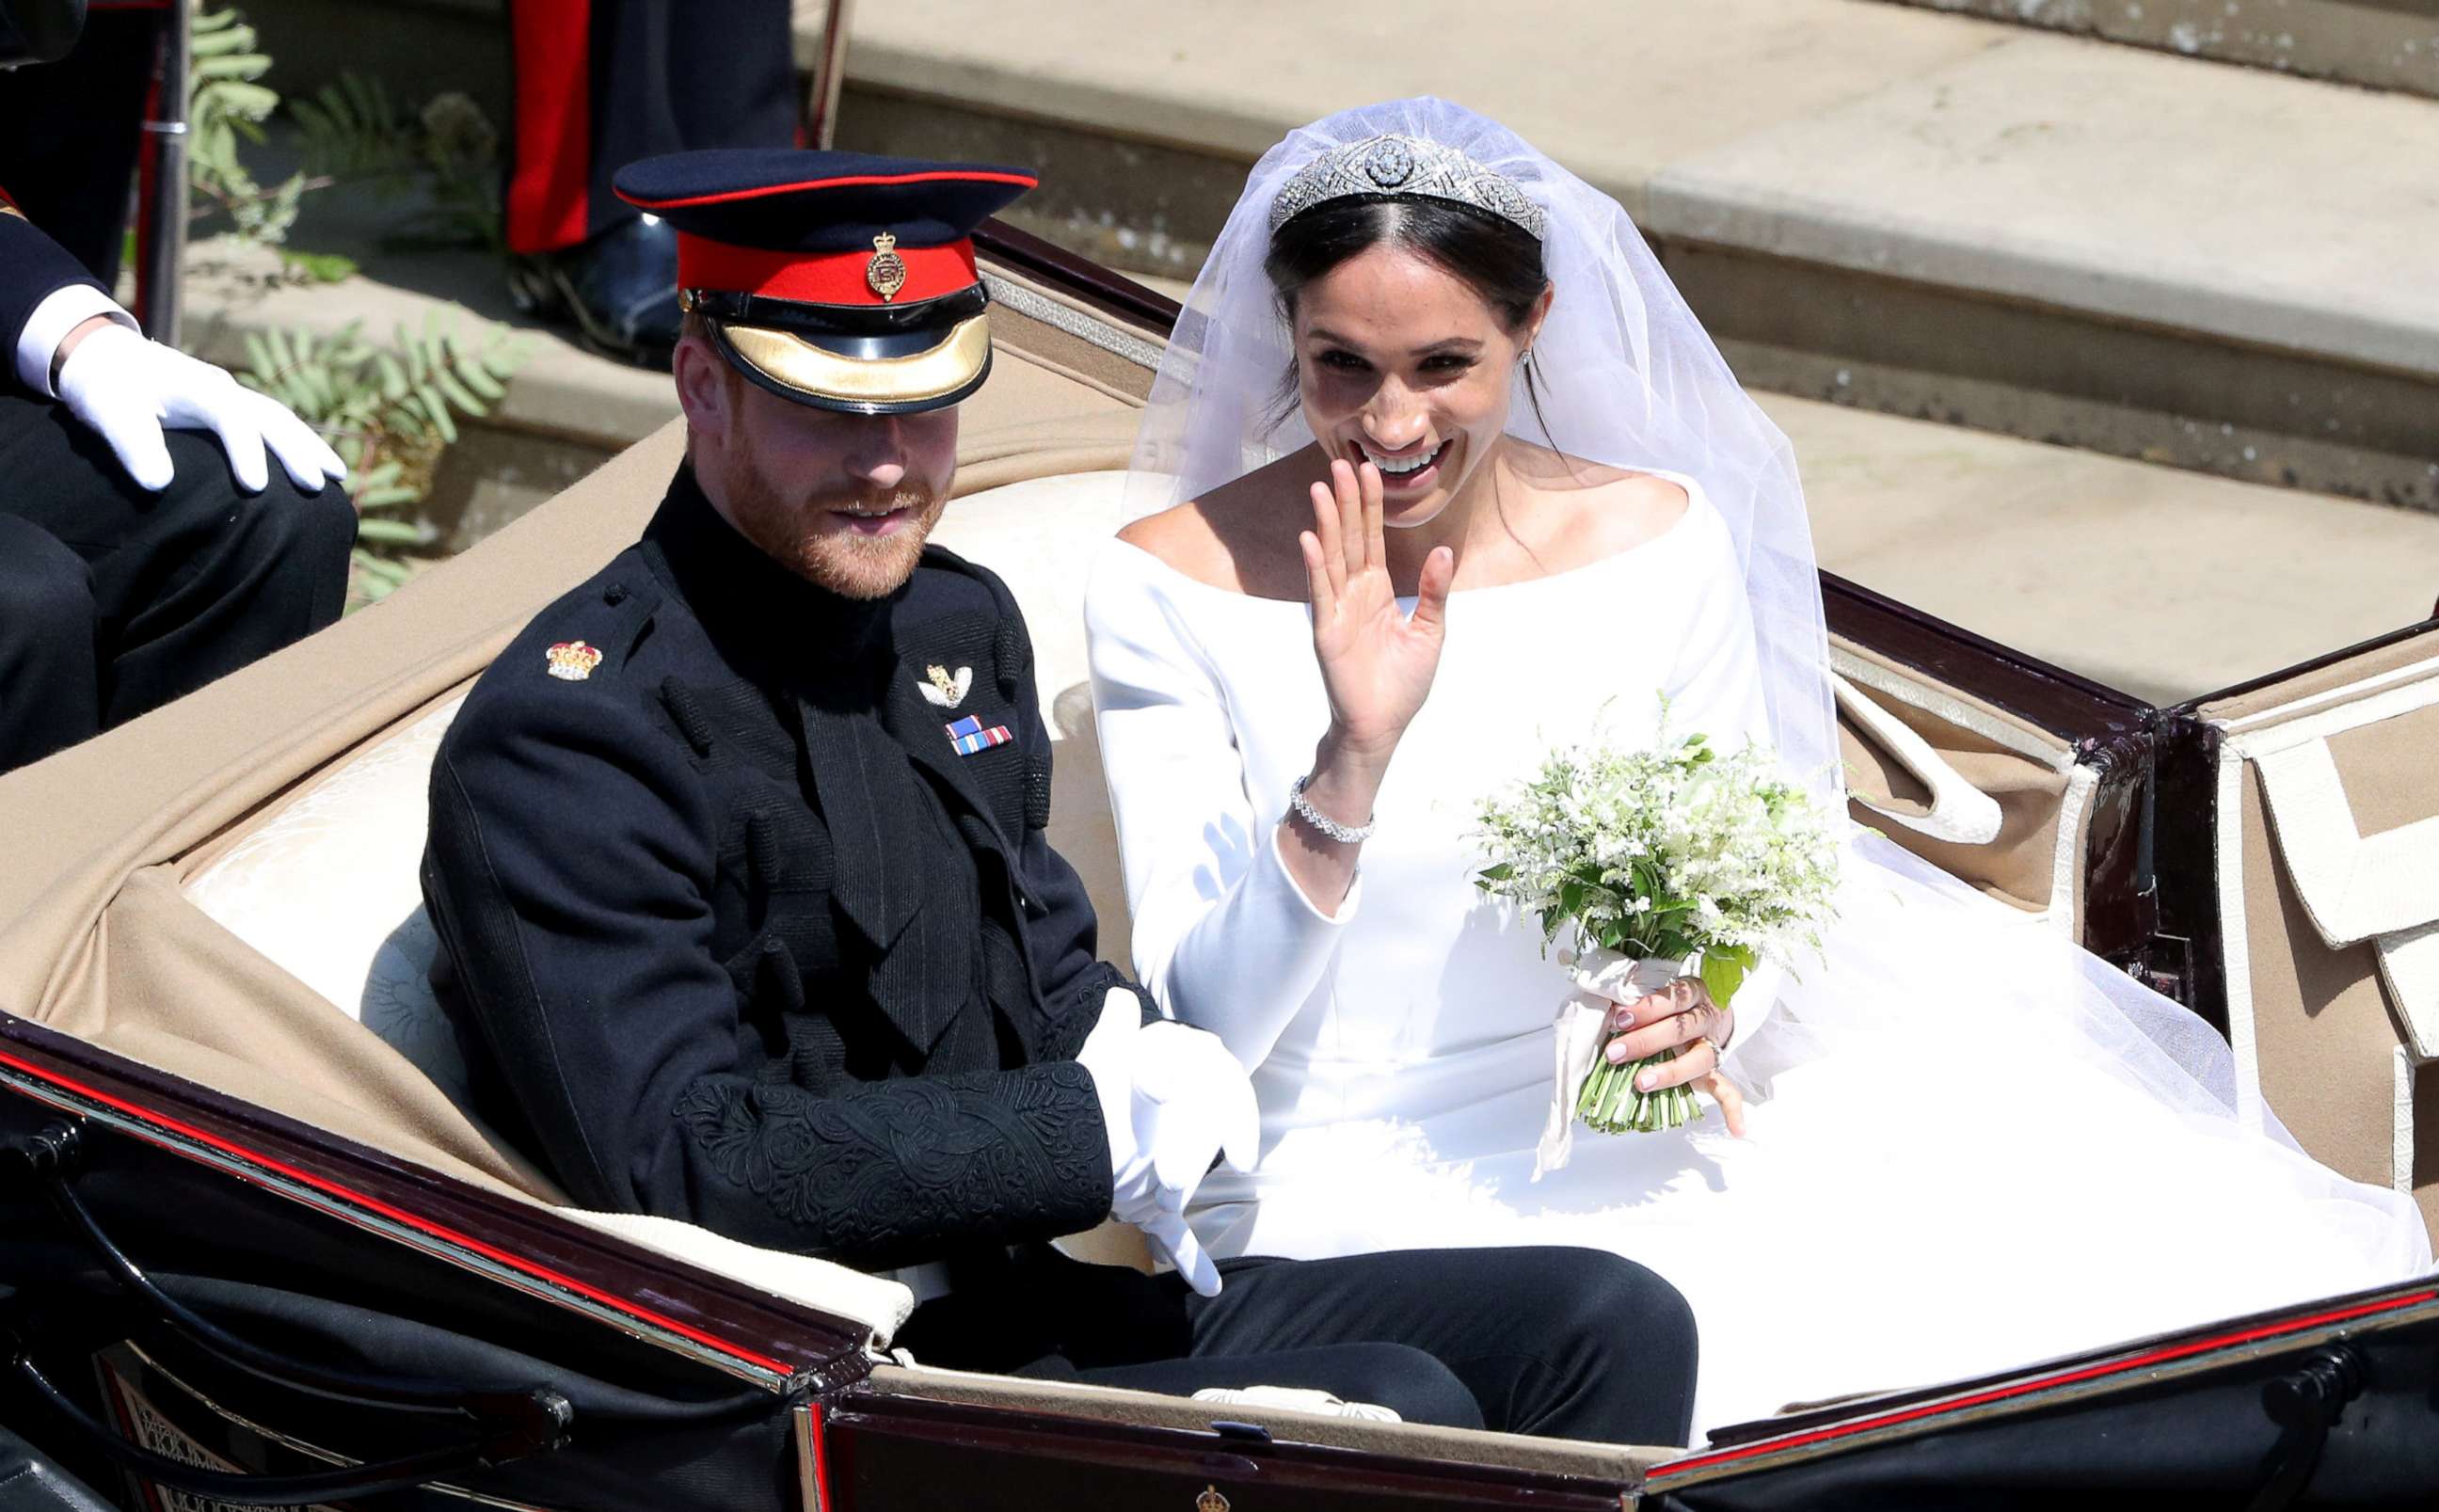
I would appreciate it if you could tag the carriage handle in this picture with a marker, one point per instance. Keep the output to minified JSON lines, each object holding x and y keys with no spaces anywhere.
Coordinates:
{"x":514,"y":1422}
{"x":533,"y":1412}
{"x":1961,"y":814}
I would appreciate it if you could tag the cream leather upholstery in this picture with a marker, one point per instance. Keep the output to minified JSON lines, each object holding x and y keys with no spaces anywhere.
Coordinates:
{"x":327,"y":891}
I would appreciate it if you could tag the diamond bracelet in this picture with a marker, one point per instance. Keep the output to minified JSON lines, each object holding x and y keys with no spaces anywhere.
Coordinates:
{"x":1328,"y":828}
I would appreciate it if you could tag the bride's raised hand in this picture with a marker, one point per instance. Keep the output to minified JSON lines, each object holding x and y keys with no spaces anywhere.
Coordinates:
{"x":1377,"y":661}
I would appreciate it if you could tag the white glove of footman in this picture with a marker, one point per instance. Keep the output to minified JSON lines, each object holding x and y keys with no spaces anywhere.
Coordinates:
{"x":1173,"y":1099}
{"x":128,"y":390}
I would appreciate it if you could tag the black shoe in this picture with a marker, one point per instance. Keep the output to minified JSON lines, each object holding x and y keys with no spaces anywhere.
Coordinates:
{"x":619,"y":288}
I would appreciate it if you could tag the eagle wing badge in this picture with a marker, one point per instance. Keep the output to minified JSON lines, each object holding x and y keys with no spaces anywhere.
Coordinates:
{"x":943,"y":689}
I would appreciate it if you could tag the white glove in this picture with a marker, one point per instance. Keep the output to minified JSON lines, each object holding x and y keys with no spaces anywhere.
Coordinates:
{"x":127,"y":389}
{"x":1172,"y":1098}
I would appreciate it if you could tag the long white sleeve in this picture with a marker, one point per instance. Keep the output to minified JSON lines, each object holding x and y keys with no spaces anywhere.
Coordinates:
{"x":1223,"y":938}
{"x":1716,"y":687}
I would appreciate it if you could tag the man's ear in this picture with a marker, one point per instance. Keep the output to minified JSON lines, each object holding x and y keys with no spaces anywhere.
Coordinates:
{"x":702,"y":387}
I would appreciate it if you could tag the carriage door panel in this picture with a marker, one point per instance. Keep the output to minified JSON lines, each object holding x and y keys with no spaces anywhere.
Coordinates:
{"x":2328,"y":874}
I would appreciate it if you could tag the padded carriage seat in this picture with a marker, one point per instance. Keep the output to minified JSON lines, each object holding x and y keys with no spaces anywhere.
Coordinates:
{"x":327,"y":888}
{"x":327,"y":891}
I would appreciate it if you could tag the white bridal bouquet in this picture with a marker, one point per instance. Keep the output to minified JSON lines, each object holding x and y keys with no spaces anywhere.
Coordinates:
{"x":1664,"y":856}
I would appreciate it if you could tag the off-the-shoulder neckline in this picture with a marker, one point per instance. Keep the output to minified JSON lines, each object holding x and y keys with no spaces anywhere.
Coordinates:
{"x":1696,"y":501}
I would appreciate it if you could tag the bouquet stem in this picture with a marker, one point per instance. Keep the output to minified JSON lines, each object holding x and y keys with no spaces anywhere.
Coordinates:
{"x":1611,"y":1104}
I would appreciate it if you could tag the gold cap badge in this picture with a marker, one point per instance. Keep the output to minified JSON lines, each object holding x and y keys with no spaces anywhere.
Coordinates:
{"x":574,"y":661}
{"x":886,"y":272}
{"x":1211,"y":1501}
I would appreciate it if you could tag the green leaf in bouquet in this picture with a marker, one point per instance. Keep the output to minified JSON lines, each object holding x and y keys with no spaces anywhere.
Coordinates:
{"x":1723,"y":971}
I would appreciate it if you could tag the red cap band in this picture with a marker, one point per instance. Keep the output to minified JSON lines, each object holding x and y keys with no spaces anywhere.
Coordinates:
{"x":822,"y":277}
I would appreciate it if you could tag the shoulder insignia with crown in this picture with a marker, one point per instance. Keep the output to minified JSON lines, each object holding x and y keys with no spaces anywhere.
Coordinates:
{"x":1211,"y":1501}
{"x":574,"y":661}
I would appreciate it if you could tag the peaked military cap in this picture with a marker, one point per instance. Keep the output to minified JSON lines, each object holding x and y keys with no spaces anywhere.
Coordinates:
{"x":837,"y":279}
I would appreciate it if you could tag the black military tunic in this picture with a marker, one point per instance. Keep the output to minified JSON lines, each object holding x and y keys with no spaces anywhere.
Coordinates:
{"x":738,"y":931}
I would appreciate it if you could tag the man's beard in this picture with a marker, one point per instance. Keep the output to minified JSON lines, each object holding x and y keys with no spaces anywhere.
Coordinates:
{"x":844,"y":562}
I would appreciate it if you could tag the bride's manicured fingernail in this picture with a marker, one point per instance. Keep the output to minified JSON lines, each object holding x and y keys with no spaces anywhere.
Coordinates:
{"x":1647,"y":1081}
{"x":1616,"y":1052}
{"x":1625,"y":1019}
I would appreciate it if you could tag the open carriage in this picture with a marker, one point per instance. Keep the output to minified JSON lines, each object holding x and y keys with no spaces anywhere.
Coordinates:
{"x":253,"y":1251}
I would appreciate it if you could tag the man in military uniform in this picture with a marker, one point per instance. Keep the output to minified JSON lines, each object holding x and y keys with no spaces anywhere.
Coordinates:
{"x":736,"y":854}
{"x":138,"y":559}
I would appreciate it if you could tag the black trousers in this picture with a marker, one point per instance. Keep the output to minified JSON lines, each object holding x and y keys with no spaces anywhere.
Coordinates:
{"x":1550,"y":1340}
{"x":114,"y":600}
{"x":70,"y":134}
{"x":601,"y":83}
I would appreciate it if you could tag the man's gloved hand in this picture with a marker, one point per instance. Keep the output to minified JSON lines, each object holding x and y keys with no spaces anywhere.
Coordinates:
{"x":1173,"y":1099}
{"x":128,"y":389}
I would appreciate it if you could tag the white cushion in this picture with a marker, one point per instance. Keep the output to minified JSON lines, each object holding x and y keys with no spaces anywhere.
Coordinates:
{"x":1039,"y":536}
{"x":877,"y":1302}
{"x":327,"y":891}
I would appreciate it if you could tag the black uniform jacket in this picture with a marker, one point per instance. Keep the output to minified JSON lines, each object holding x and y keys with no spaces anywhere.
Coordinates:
{"x":32,"y":268}
{"x":733,"y":931}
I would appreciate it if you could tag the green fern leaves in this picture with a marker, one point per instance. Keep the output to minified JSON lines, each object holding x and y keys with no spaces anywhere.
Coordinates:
{"x":388,"y":410}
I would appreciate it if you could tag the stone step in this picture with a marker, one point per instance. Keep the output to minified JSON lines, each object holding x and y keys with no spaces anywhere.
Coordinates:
{"x":2375,"y":44}
{"x":1875,"y":204}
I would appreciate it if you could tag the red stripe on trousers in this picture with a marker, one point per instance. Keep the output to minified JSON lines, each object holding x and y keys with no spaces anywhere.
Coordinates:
{"x":553,"y":40}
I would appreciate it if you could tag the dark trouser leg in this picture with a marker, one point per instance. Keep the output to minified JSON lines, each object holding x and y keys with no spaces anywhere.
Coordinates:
{"x":190,"y":583}
{"x":601,"y":83}
{"x":69,"y":132}
{"x":1563,"y":1342}
{"x":49,"y":679}
{"x":1560,"y":1343}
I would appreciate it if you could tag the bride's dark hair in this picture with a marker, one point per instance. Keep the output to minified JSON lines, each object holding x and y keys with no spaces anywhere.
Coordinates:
{"x":1498,"y":259}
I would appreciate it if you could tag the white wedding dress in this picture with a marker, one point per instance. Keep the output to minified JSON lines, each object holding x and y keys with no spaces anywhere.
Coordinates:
{"x":1926,"y":1192}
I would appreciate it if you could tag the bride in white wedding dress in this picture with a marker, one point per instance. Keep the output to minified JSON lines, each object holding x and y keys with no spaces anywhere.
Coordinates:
{"x":1543,"y":503}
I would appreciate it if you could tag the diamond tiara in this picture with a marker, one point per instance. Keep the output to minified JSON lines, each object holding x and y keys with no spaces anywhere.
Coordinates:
{"x":1402,"y":166}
